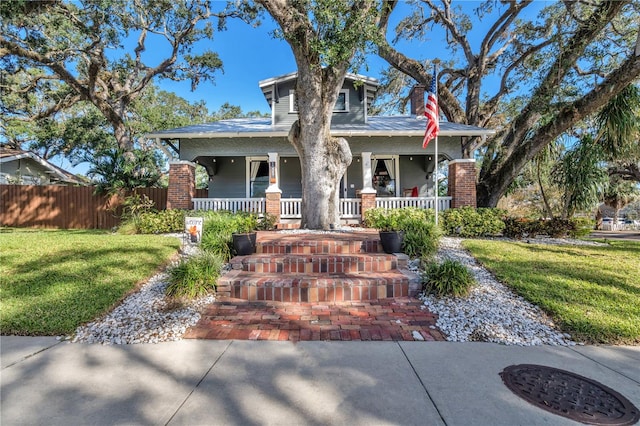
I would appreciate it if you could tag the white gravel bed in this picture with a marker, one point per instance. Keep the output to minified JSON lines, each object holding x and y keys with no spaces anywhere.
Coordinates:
{"x":491,"y":312}
{"x":144,"y":316}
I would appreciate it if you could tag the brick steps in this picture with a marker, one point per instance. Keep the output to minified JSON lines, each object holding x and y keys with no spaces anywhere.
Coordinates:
{"x":316,"y":263}
{"x":316,"y":268}
{"x":338,"y":243}
{"x":315,"y":287}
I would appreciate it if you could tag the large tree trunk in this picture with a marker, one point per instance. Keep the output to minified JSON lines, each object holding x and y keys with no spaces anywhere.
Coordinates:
{"x":323,"y":164}
{"x":323,"y":159}
{"x":322,"y":59}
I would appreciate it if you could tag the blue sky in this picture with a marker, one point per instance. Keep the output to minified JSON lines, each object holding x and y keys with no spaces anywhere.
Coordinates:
{"x":248,"y":55}
{"x":252,"y":54}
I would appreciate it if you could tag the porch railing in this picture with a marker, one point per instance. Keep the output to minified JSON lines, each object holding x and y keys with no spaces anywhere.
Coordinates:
{"x":252,"y":205}
{"x":444,"y":203}
{"x":290,"y":208}
{"x":350,"y":208}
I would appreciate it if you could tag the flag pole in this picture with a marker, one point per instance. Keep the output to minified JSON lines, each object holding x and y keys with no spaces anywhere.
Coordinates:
{"x":435,"y":175}
{"x":435,"y":157}
{"x":433,"y":128}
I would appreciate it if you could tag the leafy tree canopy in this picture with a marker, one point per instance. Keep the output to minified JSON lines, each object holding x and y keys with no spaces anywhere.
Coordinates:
{"x":558,"y":66}
{"x":98,"y":50}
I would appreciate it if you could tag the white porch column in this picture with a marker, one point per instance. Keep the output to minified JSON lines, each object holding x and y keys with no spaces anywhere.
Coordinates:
{"x":273,"y":173}
{"x":273,"y":192}
{"x":366,"y":174}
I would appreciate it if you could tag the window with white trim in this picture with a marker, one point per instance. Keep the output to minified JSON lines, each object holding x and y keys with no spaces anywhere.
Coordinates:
{"x":258,"y":179}
{"x":342,"y":103}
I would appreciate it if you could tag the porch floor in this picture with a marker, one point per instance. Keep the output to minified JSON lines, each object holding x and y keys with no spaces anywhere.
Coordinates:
{"x":397,"y":319}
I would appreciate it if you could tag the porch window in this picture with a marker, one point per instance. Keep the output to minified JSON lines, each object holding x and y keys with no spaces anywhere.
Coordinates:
{"x":384,"y":176}
{"x":258,"y":178}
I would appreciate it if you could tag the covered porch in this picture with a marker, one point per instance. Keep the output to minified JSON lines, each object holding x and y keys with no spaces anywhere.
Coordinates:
{"x":371,"y":181}
{"x":289,"y":208}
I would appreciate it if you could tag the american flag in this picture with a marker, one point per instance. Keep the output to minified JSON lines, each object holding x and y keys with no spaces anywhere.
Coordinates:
{"x":431,"y":112}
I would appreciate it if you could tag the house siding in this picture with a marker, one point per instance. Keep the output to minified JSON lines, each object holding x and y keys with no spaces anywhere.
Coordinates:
{"x":24,"y":170}
{"x":354,"y":177}
{"x":291,"y":186}
{"x":230,"y":178}
{"x":413,"y":170}
{"x":283,"y":115}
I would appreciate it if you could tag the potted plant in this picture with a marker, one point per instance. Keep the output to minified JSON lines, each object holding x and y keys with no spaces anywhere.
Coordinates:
{"x":389,"y":225}
{"x":244,"y":236}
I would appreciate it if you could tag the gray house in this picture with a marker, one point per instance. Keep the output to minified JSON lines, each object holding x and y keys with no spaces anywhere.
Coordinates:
{"x":18,"y":167}
{"x":250,"y":161}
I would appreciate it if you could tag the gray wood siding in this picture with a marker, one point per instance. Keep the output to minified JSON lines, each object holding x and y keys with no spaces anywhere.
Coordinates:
{"x":413,"y":170}
{"x":230,"y":178}
{"x":290,"y":177}
{"x":281,"y":112}
{"x":283,"y":116}
{"x":354,"y":177}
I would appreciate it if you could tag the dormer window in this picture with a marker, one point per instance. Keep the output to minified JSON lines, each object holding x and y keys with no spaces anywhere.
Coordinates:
{"x":342,"y":103}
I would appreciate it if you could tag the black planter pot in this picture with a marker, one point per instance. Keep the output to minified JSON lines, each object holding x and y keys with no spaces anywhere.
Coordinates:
{"x":391,"y":241}
{"x":244,"y":244}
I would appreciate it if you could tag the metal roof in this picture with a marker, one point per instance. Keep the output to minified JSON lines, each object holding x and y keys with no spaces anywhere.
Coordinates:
{"x":262,"y":127}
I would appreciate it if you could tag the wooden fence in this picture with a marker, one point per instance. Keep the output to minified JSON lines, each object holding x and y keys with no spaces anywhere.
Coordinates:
{"x":67,"y":207}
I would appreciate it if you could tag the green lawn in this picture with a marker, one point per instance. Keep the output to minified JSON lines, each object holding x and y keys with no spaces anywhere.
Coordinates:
{"x":52,"y":281}
{"x":591,"y":292}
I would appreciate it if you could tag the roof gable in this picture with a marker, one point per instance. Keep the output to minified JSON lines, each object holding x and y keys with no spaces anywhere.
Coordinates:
{"x":56,"y":173}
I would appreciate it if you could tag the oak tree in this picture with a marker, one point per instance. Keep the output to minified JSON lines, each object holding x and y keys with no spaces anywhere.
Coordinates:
{"x":325,"y":37}
{"x":560,"y":66}
{"x":98,"y":51}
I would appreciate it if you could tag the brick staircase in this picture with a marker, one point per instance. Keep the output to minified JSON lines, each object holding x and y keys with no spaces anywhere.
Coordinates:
{"x":334,"y":267}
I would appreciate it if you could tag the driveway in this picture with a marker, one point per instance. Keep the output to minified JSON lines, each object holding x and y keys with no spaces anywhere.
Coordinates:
{"x":616,"y":235}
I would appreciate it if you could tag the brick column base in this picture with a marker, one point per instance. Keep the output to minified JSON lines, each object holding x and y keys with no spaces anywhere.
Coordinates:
{"x":273,"y":204}
{"x":368,"y":201}
{"x":182,"y":185}
{"x":462,"y":183}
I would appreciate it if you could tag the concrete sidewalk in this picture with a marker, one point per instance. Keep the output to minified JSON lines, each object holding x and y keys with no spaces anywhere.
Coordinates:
{"x":202,"y":382}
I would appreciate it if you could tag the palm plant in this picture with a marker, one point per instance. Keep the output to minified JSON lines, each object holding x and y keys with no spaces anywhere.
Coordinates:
{"x":582,"y":177}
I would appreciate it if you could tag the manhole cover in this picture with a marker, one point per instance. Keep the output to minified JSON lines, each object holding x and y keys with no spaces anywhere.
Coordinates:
{"x":570,"y":395}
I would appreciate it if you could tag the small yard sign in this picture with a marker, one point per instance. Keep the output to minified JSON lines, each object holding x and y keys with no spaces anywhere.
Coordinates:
{"x":193,"y":227}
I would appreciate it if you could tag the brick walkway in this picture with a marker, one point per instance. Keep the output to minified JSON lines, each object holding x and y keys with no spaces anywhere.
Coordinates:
{"x":386,"y":319}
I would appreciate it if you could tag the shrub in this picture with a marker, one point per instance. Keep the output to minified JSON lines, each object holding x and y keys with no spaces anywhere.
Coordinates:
{"x":556,"y":227}
{"x":216,"y":234}
{"x":420,"y":232}
{"x":383,"y":219}
{"x":267,"y":222}
{"x":243,"y":223}
{"x":472,"y":222}
{"x":194,"y":277}
{"x":161,"y":222}
{"x":134,"y":205}
{"x":449,"y":278}
{"x":518,"y":228}
{"x":582,"y":226}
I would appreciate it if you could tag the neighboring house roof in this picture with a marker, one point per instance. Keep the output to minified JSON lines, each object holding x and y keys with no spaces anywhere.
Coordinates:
{"x":55,"y":173}
{"x":261,"y":127}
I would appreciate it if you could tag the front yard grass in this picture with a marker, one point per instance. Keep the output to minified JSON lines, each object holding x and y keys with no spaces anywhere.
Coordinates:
{"x":52,"y":281}
{"x":593,"y":293}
